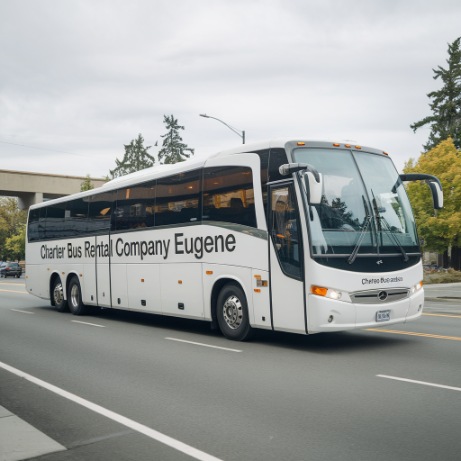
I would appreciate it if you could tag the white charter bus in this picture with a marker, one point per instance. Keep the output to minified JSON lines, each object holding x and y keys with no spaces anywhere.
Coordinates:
{"x":295,"y":236}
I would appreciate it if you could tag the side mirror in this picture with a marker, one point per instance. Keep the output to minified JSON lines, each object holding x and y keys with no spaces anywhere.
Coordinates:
{"x":313,"y":180}
{"x":314,"y":187}
{"x":437,"y":194}
{"x":434,"y":184}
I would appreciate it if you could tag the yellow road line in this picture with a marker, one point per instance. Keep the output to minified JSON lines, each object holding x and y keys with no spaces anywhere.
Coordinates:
{"x":444,"y":315}
{"x":414,"y":333}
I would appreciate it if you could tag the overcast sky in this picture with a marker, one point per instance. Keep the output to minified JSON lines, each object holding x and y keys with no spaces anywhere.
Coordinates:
{"x":81,"y":78}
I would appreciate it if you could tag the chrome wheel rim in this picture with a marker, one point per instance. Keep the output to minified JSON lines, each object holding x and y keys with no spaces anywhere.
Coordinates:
{"x":74,"y":296}
{"x":58,"y":294}
{"x":233,"y":312}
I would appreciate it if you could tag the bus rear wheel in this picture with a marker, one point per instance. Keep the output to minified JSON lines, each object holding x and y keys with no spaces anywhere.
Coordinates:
{"x":232,"y":313}
{"x":74,"y":297}
{"x":58,"y":296}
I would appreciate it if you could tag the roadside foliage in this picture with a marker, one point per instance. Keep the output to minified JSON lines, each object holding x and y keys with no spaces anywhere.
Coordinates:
{"x":440,"y":230}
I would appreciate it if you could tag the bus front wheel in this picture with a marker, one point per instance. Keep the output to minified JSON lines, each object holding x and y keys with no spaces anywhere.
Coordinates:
{"x":232,"y":313}
{"x":74,"y":297}
{"x":58,"y":296}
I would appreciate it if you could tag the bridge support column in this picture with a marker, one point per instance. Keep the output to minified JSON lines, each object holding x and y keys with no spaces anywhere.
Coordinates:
{"x":25,"y":200}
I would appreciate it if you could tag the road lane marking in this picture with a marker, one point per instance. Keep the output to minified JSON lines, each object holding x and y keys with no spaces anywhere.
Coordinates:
{"x":204,"y":345}
{"x":424,"y":383}
{"x":414,"y":333}
{"x":444,"y":315}
{"x":22,"y":312}
{"x":88,"y":323}
{"x":13,"y":291}
{"x":138,"y":427}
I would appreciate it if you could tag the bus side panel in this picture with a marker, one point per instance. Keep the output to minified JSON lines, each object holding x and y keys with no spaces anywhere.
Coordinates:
{"x":182,"y":293}
{"x":144,"y":289}
{"x":37,"y":281}
{"x":103,"y":274}
{"x":89,"y":284}
{"x":287,"y":299}
{"x":118,"y":278}
{"x":261,"y":300}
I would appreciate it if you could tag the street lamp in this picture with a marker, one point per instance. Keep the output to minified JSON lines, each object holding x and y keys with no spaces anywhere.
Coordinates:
{"x":237,"y":132}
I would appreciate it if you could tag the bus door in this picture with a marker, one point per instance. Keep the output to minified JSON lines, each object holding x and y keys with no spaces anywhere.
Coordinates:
{"x":102,"y":259}
{"x":286,"y":259}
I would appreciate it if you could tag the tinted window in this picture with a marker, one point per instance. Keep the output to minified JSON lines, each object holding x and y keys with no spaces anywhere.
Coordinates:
{"x":36,"y":224}
{"x":76,"y":217}
{"x":277,"y":157}
{"x":178,"y":199}
{"x":228,"y":195}
{"x":284,"y":230}
{"x":55,"y":217}
{"x":135,"y":207}
{"x":99,"y":212}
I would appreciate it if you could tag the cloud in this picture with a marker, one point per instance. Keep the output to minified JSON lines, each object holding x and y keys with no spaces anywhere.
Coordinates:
{"x":83,"y":78}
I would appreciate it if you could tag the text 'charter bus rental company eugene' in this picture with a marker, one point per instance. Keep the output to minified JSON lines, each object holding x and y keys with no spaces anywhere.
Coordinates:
{"x":294,"y":236}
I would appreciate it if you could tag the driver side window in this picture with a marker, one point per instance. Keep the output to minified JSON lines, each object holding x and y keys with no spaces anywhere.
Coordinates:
{"x":285,"y":230}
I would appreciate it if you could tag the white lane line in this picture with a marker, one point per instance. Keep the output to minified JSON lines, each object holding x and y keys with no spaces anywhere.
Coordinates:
{"x":424,"y":383}
{"x":14,"y":291}
{"x":152,"y":433}
{"x":22,"y":312}
{"x":204,"y":345}
{"x":88,"y":323}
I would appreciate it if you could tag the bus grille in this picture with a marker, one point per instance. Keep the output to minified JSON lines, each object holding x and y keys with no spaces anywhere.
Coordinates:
{"x":379,"y":296}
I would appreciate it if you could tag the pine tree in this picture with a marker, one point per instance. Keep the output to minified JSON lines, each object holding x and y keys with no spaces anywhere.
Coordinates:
{"x":445,"y":120}
{"x":173,"y":149}
{"x":136,"y":158}
{"x":86,"y":184}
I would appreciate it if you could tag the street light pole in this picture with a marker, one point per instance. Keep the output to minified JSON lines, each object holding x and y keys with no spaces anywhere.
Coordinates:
{"x":237,"y":132}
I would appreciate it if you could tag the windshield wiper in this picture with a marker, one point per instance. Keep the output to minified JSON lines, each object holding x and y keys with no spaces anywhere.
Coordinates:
{"x":382,"y":220}
{"x":365,"y":227}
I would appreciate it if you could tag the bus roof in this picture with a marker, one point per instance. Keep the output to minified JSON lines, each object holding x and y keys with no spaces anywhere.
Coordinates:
{"x":159,"y":171}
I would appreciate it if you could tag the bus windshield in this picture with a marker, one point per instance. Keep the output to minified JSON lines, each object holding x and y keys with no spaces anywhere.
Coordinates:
{"x":364,"y":209}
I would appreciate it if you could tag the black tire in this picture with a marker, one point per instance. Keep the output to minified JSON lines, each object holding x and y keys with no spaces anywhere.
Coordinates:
{"x":232,"y":313}
{"x":74,"y":297}
{"x":57,"y":293}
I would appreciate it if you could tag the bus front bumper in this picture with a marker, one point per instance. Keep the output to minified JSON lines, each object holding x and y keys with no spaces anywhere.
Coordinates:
{"x":325,"y":314}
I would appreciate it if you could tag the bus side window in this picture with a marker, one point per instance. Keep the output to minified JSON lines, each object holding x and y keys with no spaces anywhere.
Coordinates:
{"x":228,"y":195}
{"x":178,"y":199}
{"x":99,"y":212}
{"x":36,"y":224}
{"x":54,"y":221}
{"x":284,"y":228}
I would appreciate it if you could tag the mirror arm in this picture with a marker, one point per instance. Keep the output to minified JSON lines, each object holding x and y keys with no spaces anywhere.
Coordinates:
{"x":290,"y":168}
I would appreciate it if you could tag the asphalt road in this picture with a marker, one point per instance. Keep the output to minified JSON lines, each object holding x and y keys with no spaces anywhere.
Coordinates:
{"x":127,"y":386}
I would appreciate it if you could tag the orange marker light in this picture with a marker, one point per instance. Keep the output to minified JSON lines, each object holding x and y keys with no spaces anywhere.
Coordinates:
{"x":319,"y":291}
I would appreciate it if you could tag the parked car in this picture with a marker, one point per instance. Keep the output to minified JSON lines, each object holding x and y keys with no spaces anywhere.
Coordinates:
{"x":10,"y":270}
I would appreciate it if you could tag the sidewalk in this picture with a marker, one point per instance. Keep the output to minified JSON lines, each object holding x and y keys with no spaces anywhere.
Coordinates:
{"x":19,"y":440}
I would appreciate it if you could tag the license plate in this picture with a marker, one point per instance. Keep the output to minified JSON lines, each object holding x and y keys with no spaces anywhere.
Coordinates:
{"x":383,"y":316}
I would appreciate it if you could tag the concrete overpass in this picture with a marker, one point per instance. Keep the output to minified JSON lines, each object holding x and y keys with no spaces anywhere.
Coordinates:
{"x":33,"y":188}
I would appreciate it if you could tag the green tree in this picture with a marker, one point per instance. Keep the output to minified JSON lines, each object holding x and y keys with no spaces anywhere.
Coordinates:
{"x":445,"y":120}
{"x":136,"y":158}
{"x":173,"y":149}
{"x":15,"y":246}
{"x":86,"y":184}
{"x":12,"y":221}
{"x":441,"y":232}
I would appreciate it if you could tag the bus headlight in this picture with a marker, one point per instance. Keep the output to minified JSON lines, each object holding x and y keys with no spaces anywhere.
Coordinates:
{"x":416,"y":287}
{"x":326,"y":292}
